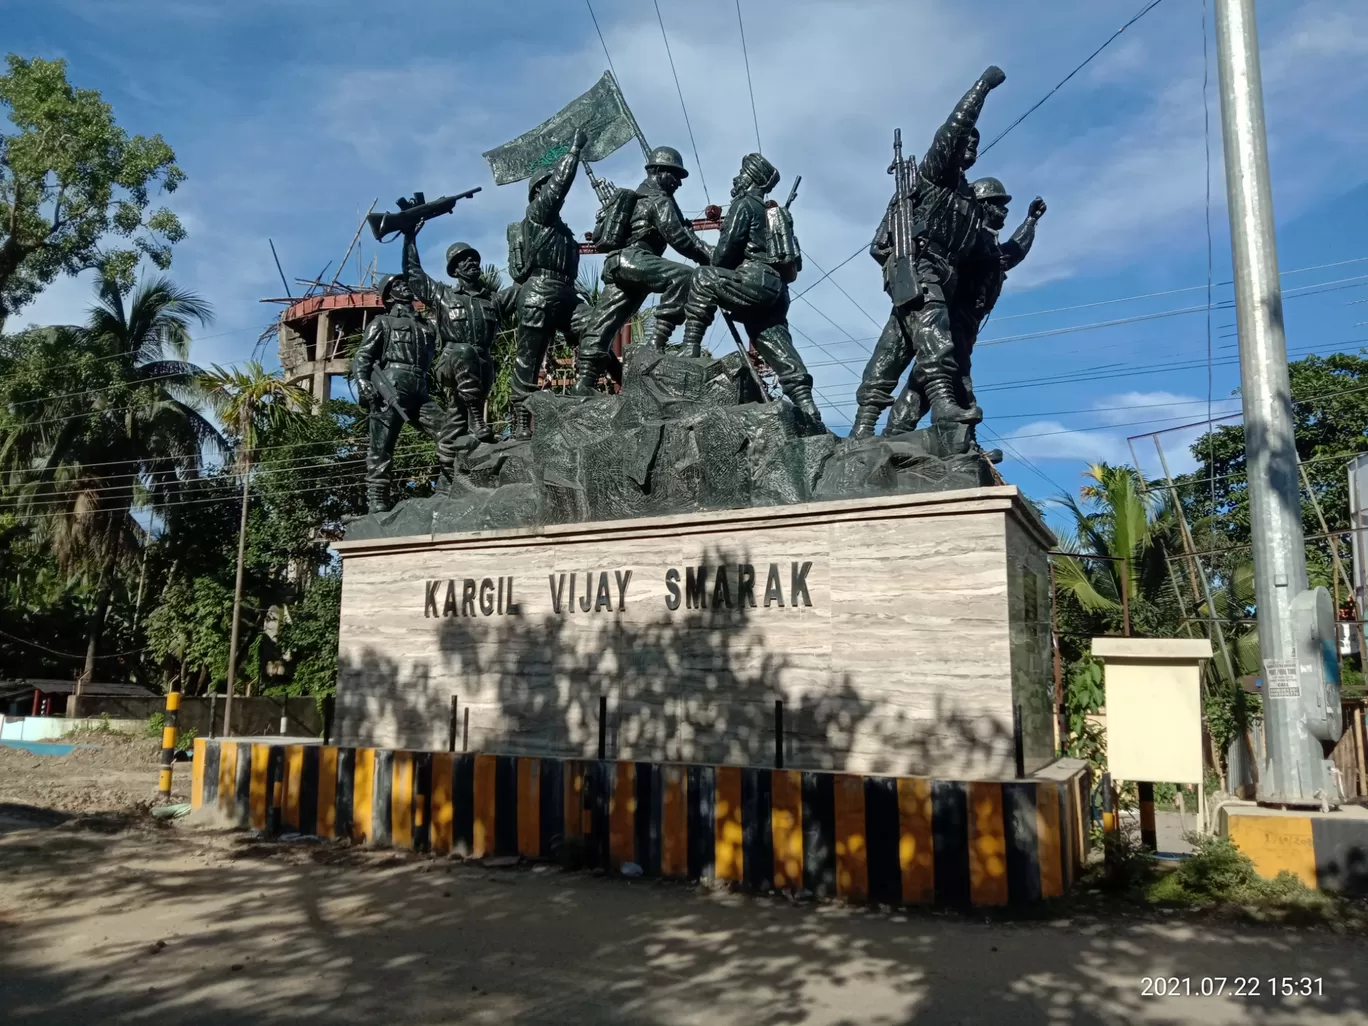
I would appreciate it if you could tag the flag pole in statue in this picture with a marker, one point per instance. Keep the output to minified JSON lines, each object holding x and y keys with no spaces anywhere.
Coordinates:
{"x":601,"y":113}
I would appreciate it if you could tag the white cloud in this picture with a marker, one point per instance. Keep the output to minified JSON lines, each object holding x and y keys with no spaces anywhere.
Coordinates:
{"x":1051,"y":440}
{"x":1129,"y":407}
{"x":1103,"y":435}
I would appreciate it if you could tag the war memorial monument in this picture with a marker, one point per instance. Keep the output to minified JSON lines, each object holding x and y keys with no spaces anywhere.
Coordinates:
{"x":690,"y":569}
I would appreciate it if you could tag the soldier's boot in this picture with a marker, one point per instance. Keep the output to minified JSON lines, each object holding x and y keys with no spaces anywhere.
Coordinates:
{"x":801,"y":397}
{"x":693,"y":338}
{"x":446,"y":473}
{"x":458,"y":423}
{"x":522,"y":422}
{"x":377,"y":499}
{"x":941,"y":396}
{"x":475,"y":421}
{"x":660,"y":335}
{"x":589,"y":369}
{"x":866,"y":417}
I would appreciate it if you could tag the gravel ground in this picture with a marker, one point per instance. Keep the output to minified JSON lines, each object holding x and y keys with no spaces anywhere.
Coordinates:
{"x":118,"y":773}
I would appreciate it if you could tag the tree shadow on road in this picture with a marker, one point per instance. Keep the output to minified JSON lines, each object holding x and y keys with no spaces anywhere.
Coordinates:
{"x":261,"y":933}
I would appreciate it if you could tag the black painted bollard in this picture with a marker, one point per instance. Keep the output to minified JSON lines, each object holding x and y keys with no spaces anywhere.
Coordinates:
{"x":603,"y":727}
{"x":1149,"y":835}
{"x":778,"y":733}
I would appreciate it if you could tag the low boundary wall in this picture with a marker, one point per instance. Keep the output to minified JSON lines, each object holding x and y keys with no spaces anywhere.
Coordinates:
{"x":890,"y":840}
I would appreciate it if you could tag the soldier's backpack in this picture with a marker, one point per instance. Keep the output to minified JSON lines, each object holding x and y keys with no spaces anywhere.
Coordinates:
{"x":785,"y":255}
{"x":613,"y":223}
{"x":519,"y":264}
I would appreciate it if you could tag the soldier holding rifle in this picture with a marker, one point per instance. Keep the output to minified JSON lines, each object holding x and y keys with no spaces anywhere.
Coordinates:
{"x":948,"y":222}
{"x":469,"y":315}
{"x":391,"y":370}
{"x":748,"y":279}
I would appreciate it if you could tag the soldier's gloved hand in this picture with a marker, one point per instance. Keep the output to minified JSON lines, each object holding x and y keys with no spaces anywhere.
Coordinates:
{"x":1037,"y":209}
{"x":412,"y":232}
{"x":365,"y":392}
{"x":579,"y":141}
{"x":994,"y":76}
{"x":707,"y":255}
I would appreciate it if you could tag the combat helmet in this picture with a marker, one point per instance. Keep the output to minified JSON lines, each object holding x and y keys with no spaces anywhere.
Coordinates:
{"x":454,"y":253}
{"x":990,"y":189}
{"x":667,"y":158}
{"x":387,"y":283}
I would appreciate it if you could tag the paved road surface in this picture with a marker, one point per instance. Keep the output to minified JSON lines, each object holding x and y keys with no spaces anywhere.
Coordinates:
{"x":311,"y":935}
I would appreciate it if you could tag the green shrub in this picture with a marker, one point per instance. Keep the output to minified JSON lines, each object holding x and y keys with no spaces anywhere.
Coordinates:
{"x":156,"y":723}
{"x":1219,"y":873}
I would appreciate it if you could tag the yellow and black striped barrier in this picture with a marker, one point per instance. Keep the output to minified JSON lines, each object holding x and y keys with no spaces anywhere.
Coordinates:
{"x":168,"y":750}
{"x":889,"y":840}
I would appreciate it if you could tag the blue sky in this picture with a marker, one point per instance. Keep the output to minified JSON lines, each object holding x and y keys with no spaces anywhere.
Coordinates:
{"x":290,"y":116}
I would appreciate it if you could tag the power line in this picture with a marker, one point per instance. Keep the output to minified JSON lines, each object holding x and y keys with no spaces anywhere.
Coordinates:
{"x":602,"y":41}
{"x":746,"y":56}
{"x":843,"y":292}
{"x":680,"y":91}
{"x":1306,"y":290}
{"x":828,"y":274}
{"x":411,"y":448}
{"x":73,"y":655}
{"x":1206,"y":140}
{"x":1041,"y":102}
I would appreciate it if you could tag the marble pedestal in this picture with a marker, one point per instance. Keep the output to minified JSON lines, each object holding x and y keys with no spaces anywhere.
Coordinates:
{"x":890,"y":635}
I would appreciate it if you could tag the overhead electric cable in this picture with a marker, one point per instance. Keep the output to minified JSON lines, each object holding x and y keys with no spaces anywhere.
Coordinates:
{"x":745,"y":54}
{"x":679,"y":89}
{"x":1206,"y":140}
{"x":602,"y":41}
{"x":1041,"y":102}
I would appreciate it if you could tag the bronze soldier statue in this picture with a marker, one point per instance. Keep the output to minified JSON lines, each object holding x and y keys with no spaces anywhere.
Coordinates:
{"x":391,"y":370}
{"x":639,"y":268}
{"x":945,"y":204}
{"x":469,"y":314}
{"x":544,"y":259}
{"x":981,"y":274}
{"x":748,"y":278}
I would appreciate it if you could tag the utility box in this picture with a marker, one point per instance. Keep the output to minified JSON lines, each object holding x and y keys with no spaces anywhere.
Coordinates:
{"x":1154,"y":707}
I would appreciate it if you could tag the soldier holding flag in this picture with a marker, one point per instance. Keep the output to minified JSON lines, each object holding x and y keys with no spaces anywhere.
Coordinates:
{"x":546,"y":268}
{"x":543,"y":253}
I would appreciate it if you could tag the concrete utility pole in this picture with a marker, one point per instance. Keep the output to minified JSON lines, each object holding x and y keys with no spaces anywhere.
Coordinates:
{"x":1301,"y":694}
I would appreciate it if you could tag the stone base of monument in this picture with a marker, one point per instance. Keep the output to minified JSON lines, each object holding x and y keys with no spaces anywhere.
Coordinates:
{"x":893,"y":840}
{"x":895,"y":634}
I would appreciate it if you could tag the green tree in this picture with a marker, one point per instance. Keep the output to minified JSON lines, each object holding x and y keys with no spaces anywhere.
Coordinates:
{"x":1330,"y":423}
{"x":99,"y":422}
{"x":70,"y":178}
{"x":248,"y":401}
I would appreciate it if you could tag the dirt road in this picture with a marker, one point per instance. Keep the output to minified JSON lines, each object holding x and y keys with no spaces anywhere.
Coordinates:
{"x":311,"y":934}
{"x":109,"y":771}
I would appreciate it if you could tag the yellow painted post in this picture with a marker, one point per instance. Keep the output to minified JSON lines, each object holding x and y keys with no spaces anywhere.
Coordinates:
{"x":168,"y":752}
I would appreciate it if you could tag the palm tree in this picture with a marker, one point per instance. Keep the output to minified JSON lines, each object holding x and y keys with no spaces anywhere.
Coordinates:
{"x":1119,"y":545}
{"x":248,"y":401}
{"x":83,"y":460}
